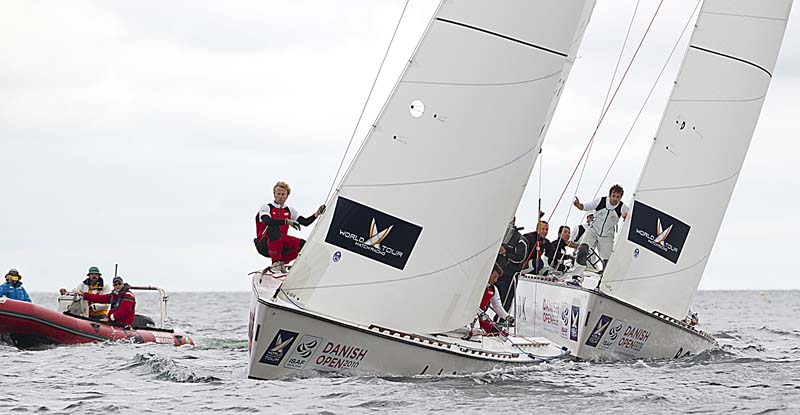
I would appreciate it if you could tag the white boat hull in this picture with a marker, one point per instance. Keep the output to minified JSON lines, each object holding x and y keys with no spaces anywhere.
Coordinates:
{"x":286,"y":341}
{"x":597,"y":327}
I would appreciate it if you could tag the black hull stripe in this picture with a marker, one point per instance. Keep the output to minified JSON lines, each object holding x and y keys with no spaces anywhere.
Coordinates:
{"x":52,"y":324}
{"x":489,"y":32}
{"x":732,"y":57}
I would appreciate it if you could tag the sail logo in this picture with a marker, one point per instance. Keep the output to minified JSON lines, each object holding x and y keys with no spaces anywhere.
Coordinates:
{"x":280,"y":344}
{"x":371,"y":233}
{"x":648,"y":230}
{"x":599,"y":330}
{"x":659,"y":239}
{"x":301,"y":354}
{"x":373,"y":242}
{"x":376,"y":237}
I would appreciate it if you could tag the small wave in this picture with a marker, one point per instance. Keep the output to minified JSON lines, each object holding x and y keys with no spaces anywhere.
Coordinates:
{"x":240,"y":409}
{"x":793,"y":333}
{"x":165,"y":368}
{"x":214,"y":343}
{"x":381,"y":404}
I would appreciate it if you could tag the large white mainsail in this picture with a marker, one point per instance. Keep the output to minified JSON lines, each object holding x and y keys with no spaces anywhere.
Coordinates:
{"x":697,"y":155}
{"x":413,"y":231}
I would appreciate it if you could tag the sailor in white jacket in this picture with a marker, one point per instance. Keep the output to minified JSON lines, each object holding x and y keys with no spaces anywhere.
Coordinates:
{"x":600,"y":234}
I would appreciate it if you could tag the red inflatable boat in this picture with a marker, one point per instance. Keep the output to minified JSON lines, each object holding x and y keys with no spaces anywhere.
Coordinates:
{"x":27,"y":325}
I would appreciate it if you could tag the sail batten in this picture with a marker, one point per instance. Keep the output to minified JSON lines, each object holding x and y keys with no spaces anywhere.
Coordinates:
{"x":444,"y":165}
{"x":697,"y":156}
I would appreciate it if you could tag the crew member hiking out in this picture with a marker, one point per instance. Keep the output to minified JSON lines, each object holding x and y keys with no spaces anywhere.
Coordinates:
{"x":608,"y":210}
{"x":272,"y":226}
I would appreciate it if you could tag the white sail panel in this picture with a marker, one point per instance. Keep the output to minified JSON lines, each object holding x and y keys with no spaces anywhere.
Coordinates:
{"x":692,"y":168}
{"x":445,"y":166}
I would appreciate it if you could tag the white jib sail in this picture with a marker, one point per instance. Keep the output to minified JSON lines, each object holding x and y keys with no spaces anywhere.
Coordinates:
{"x":411,"y":235}
{"x":697,"y":155}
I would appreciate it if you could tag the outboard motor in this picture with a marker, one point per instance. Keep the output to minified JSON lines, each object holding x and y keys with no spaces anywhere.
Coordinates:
{"x":143,"y":321}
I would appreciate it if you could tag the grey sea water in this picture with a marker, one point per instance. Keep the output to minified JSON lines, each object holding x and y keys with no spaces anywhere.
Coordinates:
{"x":756,"y":371}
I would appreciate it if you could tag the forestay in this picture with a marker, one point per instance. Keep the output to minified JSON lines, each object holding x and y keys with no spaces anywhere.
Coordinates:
{"x":412,"y":233}
{"x":697,"y":155}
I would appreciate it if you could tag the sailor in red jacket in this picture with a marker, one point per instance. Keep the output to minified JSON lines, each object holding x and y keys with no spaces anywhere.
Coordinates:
{"x":122,"y":301}
{"x":272,"y":228}
{"x":491,"y":298}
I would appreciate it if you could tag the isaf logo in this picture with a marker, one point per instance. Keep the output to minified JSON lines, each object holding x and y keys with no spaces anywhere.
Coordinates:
{"x":301,"y":354}
{"x":648,"y":230}
{"x":306,"y":349}
{"x":565,"y":307}
{"x":615,"y":331}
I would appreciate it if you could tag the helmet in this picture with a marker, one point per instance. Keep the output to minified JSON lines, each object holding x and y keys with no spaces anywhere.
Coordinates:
{"x":93,"y":270}
{"x":13,"y":271}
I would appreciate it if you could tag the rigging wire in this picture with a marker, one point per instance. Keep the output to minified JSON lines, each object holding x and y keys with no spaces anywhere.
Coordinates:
{"x":606,"y":103}
{"x":647,"y":99}
{"x":605,"y":111}
{"x":369,"y":95}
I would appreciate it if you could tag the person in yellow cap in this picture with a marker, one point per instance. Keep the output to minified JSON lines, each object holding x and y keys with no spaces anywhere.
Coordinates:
{"x":93,"y":284}
{"x":13,"y":288}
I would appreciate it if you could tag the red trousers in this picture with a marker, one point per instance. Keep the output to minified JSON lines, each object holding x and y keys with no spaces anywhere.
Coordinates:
{"x":284,"y":249}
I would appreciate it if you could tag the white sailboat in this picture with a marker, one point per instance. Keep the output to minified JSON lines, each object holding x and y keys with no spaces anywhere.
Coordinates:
{"x":679,"y":202}
{"x":400,"y":261}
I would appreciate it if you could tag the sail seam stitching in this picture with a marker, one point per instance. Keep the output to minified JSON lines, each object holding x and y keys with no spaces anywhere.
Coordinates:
{"x":721,"y":100}
{"x":502,"y":36}
{"x":661,"y":275}
{"x":411,"y":277}
{"x":484,"y":84}
{"x":747,"y":15}
{"x":447,"y":179}
{"x":732,"y":57}
{"x":691,"y":186}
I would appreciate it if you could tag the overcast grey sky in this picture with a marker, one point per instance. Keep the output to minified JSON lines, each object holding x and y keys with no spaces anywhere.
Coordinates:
{"x":148,"y":133}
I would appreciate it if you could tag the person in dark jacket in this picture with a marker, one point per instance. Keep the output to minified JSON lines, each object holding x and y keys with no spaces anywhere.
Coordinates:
{"x":13,"y":288}
{"x":556,"y":252}
{"x":512,"y":255}
{"x":122,"y":301}
{"x":538,"y":243}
